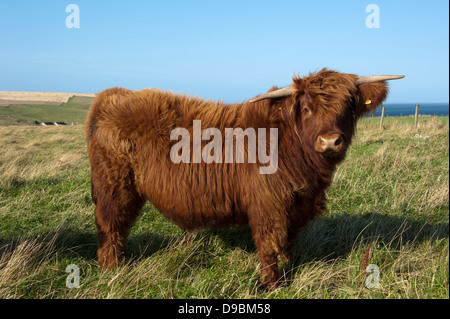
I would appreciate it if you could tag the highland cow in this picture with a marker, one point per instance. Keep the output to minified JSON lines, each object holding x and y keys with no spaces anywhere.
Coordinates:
{"x":129,"y":144}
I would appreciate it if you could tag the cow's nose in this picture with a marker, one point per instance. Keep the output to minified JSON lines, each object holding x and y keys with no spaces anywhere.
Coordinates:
{"x":329,"y":143}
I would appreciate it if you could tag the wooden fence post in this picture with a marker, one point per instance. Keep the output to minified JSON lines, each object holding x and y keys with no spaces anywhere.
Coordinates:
{"x":382,"y":117}
{"x":417,"y":115}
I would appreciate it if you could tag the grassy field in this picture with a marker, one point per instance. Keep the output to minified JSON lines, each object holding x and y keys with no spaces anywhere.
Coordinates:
{"x":74,"y":111}
{"x":389,"y":201}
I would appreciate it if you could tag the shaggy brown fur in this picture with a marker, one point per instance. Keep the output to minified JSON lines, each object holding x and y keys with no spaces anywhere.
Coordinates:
{"x":128,"y":136}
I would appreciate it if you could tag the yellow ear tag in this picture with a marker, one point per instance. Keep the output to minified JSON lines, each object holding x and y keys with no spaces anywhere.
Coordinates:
{"x":368,"y":102}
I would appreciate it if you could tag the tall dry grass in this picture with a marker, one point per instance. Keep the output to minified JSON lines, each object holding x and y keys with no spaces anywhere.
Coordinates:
{"x":391,"y":193}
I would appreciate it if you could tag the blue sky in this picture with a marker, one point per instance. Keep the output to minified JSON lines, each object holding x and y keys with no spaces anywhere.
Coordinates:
{"x":228,"y":50}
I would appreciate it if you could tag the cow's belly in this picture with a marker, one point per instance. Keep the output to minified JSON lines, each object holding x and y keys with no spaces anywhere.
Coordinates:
{"x":201,"y":213}
{"x":194,"y":195}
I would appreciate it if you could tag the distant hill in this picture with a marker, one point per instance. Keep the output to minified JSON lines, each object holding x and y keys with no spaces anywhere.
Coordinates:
{"x":48,"y":98}
{"x":54,"y":107}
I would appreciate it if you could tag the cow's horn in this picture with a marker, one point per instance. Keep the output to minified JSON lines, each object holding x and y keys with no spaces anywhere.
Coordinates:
{"x":376,"y":78}
{"x":283,"y":92}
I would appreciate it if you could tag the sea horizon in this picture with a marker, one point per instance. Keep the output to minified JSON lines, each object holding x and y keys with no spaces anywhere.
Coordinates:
{"x":407,"y":109}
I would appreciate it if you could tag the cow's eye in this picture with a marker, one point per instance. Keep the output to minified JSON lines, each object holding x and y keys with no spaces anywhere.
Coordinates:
{"x":306,"y":109}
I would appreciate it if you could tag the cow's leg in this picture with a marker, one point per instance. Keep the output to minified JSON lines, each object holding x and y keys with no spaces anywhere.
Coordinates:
{"x":303,"y":210}
{"x":113,"y":222}
{"x":117,"y":207}
{"x":270,"y":237}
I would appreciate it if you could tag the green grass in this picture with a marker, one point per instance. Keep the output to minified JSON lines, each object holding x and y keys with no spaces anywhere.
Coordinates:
{"x":409,"y":120}
{"x":74,"y":111}
{"x":391,"y":195}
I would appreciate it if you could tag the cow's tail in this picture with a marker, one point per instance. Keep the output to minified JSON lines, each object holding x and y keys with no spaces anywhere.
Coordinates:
{"x":103,"y":103}
{"x":90,"y":127}
{"x":95,"y":112}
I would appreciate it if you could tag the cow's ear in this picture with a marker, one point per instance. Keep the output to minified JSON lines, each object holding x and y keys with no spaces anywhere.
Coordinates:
{"x":370,"y":96}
